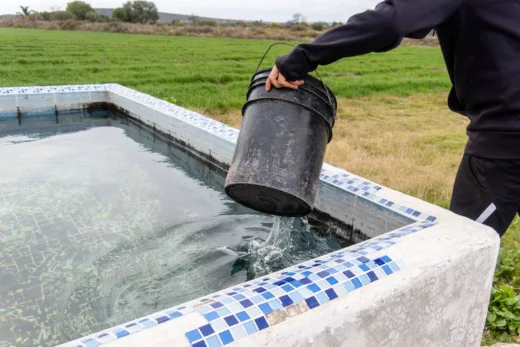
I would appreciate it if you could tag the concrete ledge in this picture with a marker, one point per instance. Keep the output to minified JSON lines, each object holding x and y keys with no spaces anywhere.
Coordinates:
{"x":422,"y":278}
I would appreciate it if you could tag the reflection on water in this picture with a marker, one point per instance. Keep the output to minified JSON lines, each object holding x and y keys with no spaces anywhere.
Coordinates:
{"x":101,"y":223}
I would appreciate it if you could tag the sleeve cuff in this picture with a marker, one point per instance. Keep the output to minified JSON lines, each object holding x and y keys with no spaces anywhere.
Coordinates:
{"x":294,"y":65}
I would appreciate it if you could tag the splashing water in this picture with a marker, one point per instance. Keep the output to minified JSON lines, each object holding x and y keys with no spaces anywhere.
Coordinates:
{"x":273,"y":248}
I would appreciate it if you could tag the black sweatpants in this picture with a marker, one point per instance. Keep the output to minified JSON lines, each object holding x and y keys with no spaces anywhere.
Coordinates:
{"x":487,"y":191}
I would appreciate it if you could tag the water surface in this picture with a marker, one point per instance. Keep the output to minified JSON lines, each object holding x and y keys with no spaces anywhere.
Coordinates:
{"x":102,"y":222}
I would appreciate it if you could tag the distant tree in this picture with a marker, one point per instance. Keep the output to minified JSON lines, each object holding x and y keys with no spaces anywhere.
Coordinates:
{"x":119,"y":14}
{"x":141,"y":12}
{"x":102,"y":18}
{"x":47,"y":16}
{"x":193,"y":19}
{"x":80,"y":9}
{"x":92,"y":17}
{"x":297,"y":18}
{"x":25,"y":12}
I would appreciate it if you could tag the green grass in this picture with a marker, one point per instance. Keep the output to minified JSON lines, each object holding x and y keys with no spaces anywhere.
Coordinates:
{"x":401,"y":95}
{"x":197,"y":72}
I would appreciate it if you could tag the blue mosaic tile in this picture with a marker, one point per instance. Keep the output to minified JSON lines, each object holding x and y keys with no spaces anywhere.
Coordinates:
{"x":356,"y":283}
{"x":162,"y":319}
{"x":193,"y":336}
{"x":349,"y":287}
{"x":387,"y":270}
{"x":349,"y":274}
{"x":267,"y":295}
{"x":211,"y":316}
{"x":261,"y":323}
{"x":246,"y":303}
{"x":174,"y":315}
{"x":275,"y":304}
{"x":250,"y":328}
{"x":226,"y":337}
{"x":243,"y":316}
{"x":216,"y":305}
{"x":286,"y":301}
{"x":91,"y":343}
{"x":223,"y":312}
{"x":305,"y":280}
{"x":266,"y":309}
{"x":206,"y":330}
{"x":213,"y":341}
{"x":200,"y":344}
{"x":314,"y":288}
{"x":332,"y":280}
{"x":372,"y":276}
{"x":312,"y":302}
{"x":322,"y":298}
{"x":331,"y":294}
{"x":394,"y":267}
{"x":121,"y":333}
{"x":364,"y":280}
{"x":296,"y":297}
{"x":231,"y":320}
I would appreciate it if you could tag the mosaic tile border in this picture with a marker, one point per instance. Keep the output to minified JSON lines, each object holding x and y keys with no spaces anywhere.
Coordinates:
{"x":212,"y":126}
{"x":366,"y":189}
{"x":244,"y":310}
{"x":54,"y":89}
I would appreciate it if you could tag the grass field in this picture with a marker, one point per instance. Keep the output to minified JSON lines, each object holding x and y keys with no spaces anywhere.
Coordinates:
{"x":393,"y":127}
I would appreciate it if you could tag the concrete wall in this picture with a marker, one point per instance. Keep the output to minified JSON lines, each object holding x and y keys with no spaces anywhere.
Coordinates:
{"x":422,"y":278}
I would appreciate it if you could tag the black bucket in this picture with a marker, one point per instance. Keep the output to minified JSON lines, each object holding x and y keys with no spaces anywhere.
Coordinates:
{"x":281,"y":146}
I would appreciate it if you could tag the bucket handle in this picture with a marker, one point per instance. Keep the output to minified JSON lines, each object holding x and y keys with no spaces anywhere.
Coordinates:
{"x":317,"y":73}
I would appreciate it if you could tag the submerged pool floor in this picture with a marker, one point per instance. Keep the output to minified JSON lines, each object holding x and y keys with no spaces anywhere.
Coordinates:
{"x":102,"y":222}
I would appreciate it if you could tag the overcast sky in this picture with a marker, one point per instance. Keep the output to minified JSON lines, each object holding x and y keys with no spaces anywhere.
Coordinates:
{"x":268,"y":10}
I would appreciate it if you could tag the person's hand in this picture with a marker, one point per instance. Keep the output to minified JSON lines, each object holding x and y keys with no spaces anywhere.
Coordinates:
{"x":279,"y":81}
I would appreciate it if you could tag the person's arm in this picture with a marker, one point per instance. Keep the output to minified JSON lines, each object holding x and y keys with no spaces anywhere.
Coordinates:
{"x":377,"y":30}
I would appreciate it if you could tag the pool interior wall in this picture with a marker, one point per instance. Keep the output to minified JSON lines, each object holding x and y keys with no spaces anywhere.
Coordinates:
{"x":417,"y":255}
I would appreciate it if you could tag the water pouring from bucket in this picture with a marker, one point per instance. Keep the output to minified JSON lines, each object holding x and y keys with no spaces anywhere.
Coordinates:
{"x":281,"y":146}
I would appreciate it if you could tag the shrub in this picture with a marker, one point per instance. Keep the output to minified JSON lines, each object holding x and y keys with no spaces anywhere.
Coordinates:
{"x":318,"y":26}
{"x":298,"y":27}
{"x":80,"y":9}
{"x":504,"y":308}
{"x":46,"y":16}
{"x":69,"y":25}
{"x":209,"y":23}
{"x":63,"y":15}
{"x":91,"y":16}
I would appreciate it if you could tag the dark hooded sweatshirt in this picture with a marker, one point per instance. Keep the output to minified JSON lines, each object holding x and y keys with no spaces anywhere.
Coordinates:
{"x":480,"y":41}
